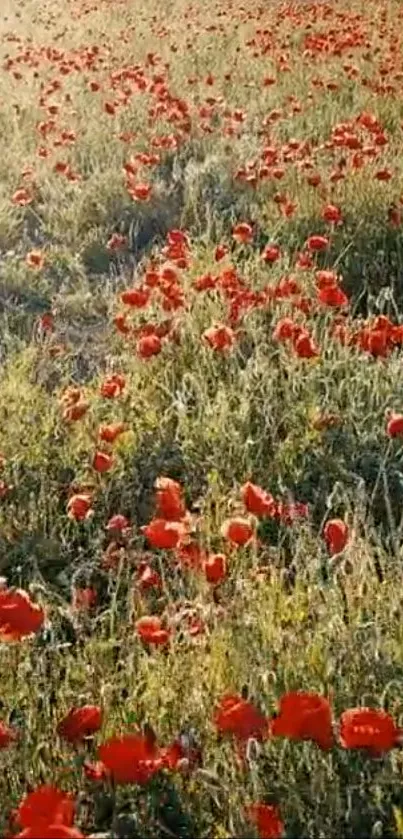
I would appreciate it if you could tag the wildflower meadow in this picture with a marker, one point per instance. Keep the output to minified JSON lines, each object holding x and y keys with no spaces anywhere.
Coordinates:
{"x":201,"y":419}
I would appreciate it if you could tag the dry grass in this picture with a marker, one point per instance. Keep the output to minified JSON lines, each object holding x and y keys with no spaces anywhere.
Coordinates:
{"x":209,"y":420}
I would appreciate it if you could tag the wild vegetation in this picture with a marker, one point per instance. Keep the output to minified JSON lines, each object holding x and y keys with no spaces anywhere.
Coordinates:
{"x":201,"y":419}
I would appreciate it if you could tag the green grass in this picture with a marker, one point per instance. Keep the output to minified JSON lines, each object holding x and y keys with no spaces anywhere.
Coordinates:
{"x":288,"y":616}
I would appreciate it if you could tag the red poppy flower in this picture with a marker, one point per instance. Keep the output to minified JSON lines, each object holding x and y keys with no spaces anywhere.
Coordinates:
{"x":317,"y":243}
{"x":257,"y":501}
{"x":242,"y":233}
{"x":332,"y":214}
{"x":140,"y":192}
{"x":102,"y":462}
{"x":148,"y":346}
{"x":304,"y":716}
{"x":151,"y":630}
{"x":220,"y":252}
{"x":19,"y":616}
{"x":117,"y":522}
{"x":133,"y":759}
{"x":170,"y":504}
{"x":46,"y":805}
{"x":239,"y":531}
{"x":80,"y":723}
{"x":394,"y":427}
{"x":238,"y":717}
{"x":79,"y":506}
{"x":336,"y":535}
{"x":137,"y":298}
{"x":35,"y":259}
{"x":284,"y":330}
{"x":219,"y":337}
{"x":109,"y":433}
{"x":368,"y":728}
{"x":332,"y":296}
{"x":7,"y":735}
{"x":113,"y":386}
{"x":266,"y":818}
{"x":305,"y":346}
{"x":271,"y":254}
{"x":22,"y":197}
{"x":215,"y":568}
{"x":164,"y":534}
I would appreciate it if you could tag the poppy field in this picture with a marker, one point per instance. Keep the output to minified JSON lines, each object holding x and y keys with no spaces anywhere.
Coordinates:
{"x":201,"y":419}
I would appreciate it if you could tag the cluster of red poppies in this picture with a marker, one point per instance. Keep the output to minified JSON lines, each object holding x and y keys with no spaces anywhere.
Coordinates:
{"x":135,"y":758}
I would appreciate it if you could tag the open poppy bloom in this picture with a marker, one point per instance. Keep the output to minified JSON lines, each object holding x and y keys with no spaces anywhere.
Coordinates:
{"x":215,"y":568}
{"x":305,"y":346}
{"x":304,"y":716}
{"x":170,"y":504}
{"x":394,"y":426}
{"x":242,"y":233}
{"x":271,"y":253}
{"x":22,"y":197}
{"x":79,"y":506}
{"x":220,"y":252}
{"x":46,"y":805}
{"x":136,"y":758}
{"x":257,"y":500}
{"x":239,"y":531}
{"x":317,"y":243}
{"x":336,"y":535}
{"x":102,"y":462}
{"x":80,"y":723}
{"x":332,"y":214}
{"x":368,"y":728}
{"x":164,"y":534}
{"x":113,"y":386}
{"x":137,"y":298}
{"x":238,"y":717}
{"x":151,"y":630}
{"x":266,"y":818}
{"x":110,"y":433}
{"x":140,"y":191}
{"x":219,"y":337}
{"x":148,"y":346}
{"x":332,"y":296}
{"x":19,"y":616}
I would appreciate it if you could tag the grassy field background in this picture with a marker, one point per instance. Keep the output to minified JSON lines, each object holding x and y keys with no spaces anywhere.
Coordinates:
{"x":238,"y":169}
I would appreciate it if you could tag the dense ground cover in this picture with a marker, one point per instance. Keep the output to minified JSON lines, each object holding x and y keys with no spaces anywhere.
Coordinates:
{"x":201,"y":419}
